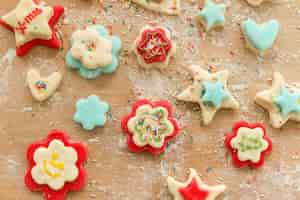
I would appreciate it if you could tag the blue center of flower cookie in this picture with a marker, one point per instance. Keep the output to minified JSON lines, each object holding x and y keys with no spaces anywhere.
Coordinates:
{"x":213,"y":93}
{"x":288,"y":102}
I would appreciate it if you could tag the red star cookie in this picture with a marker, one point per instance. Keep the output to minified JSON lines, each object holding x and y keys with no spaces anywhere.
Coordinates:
{"x":33,"y":24}
{"x":193,"y":188}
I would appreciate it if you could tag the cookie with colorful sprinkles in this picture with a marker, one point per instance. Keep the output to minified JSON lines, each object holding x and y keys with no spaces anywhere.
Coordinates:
{"x":93,"y":52}
{"x":154,"y":47}
{"x":33,"y":24}
{"x":149,"y":126}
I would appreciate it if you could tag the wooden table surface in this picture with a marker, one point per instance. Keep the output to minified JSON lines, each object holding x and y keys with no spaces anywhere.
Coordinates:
{"x":113,"y":172}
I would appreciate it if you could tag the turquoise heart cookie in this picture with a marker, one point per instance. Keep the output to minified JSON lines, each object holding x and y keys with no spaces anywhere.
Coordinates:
{"x":261,"y":36}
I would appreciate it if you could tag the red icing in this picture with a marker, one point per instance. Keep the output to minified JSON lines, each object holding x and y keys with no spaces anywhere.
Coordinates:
{"x":159,"y":43}
{"x":193,"y":192}
{"x":235,"y":159}
{"x":50,"y":194}
{"x":52,"y":43}
{"x":27,"y":20}
{"x":131,"y":145}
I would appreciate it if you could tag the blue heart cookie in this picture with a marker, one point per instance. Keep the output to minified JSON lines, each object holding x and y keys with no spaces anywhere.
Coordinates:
{"x":260,"y":36}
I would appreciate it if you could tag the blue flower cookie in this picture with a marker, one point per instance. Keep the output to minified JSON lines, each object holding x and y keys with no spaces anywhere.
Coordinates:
{"x":260,"y":37}
{"x":93,"y":52}
{"x":91,"y":112}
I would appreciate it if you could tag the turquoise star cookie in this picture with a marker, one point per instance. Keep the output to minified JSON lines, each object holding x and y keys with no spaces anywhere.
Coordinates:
{"x":288,"y":102}
{"x":214,"y":93}
{"x":93,"y":73}
{"x":91,"y":112}
{"x":212,"y":14}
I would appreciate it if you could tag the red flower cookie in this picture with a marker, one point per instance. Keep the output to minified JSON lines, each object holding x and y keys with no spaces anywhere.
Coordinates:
{"x":149,"y":126}
{"x":56,"y":166}
{"x":154,"y":47}
{"x":249,"y":144}
{"x":33,"y":24}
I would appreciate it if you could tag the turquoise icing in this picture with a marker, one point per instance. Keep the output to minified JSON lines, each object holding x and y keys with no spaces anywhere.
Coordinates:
{"x":261,"y":36}
{"x":214,"y":93}
{"x":212,"y":14}
{"x":93,"y":73}
{"x":91,"y":112}
{"x":288,"y":102}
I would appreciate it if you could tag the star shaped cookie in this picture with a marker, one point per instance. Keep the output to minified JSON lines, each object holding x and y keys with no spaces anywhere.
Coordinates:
{"x":169,"y":7}
{"x":193,"y":188}
{"x":33,"y":24}
{"x":212,"y":15}
{"x":210,"y":91}
{"x":282,"y":101}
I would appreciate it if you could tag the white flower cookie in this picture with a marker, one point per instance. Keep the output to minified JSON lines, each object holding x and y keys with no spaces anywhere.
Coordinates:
{"x":193,"y":188}
{"x":170,"y":7}
{"x":210,"y":91}
{"x":55,"y":165}
{"x":282,"y":101}
{"x":43,"y":87}
{"x":154,"y":47}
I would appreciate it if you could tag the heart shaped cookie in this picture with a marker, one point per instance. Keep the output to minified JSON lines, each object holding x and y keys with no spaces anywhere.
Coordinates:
{"x":170,"y":7}
{"x":42,"y":87}
{"x":260,"y":37}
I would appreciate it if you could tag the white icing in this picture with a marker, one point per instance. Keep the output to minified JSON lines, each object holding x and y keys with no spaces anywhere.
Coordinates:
{"x":91,"y":48}
{"x":64,"y":167}
{"x":245,"y":134}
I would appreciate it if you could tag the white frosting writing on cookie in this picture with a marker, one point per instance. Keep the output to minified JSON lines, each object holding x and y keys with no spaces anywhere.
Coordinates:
{"x":91,"y":48}
{"x":55,"y":165}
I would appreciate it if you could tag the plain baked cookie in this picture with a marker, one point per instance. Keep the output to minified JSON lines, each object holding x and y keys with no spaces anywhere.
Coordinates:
{"x":282,"y":101}
{"x":154,"y":47}
{"x":170,"y":7}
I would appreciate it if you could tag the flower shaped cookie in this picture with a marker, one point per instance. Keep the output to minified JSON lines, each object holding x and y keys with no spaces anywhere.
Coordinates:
{"x":149,"y":126}
{"x":33,"y":24}
{"x":249,"y":144}
{"x":56,"y":166}
{"x":154,"y":47}
{"x":93,"y":52}
{"x":91,"y":112}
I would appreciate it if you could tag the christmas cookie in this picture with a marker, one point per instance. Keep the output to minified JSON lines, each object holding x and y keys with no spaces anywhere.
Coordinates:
{"x":260,"y":37}
{"x":249,"y":144}
{"x":149,"y":126}
{"x":91,"y":112}
{"x":42,"y":87}
{"x":212,"y":15}
{"x":33,"y":24}
{"x":170,"y":7}
{"x":93,"y":52}
{"x":56,"y":166}
{"x":193,"y":188}
{"x":154,"y":47}
{"x":210,"y":91}
{"x":282,"y":101}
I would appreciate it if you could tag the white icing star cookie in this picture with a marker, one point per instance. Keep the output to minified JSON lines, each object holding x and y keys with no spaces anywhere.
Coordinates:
{"x":43,"y":87}
{"x":154,"y":47}
{"x":193,"y":188}
{"x":282,"y":101}
{"x":170,"y":7}
{"x":210,"y":91}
